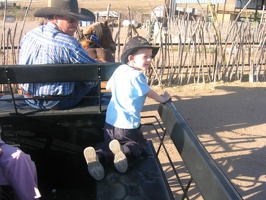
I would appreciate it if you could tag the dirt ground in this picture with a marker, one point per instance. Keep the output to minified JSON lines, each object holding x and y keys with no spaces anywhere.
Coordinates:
{"x":229,"y":120}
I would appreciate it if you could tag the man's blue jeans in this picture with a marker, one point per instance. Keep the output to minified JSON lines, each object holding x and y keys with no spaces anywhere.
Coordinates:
{"x":80,"y":89}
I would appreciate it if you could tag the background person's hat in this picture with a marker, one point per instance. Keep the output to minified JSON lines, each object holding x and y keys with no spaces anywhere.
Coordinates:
{"x":65,"y":8}
{"x":134,"y":44}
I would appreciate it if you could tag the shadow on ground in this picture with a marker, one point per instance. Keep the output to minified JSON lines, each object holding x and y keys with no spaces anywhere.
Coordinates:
{"x":230,"y":122}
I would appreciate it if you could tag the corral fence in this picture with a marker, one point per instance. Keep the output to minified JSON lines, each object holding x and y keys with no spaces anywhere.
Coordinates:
{"x":192,"y":51}
{"x":201,"y":52}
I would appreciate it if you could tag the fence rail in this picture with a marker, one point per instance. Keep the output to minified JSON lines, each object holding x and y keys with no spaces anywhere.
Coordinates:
{"x":192,"y":51}
{"x":200,"y":52}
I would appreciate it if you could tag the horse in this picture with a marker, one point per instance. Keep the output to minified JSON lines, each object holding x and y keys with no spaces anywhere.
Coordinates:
{"x":97,"y":40}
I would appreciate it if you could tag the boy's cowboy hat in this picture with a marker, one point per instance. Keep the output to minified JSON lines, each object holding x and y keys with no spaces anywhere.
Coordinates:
{"x":65,"y":8}
{"x":134,"y":44}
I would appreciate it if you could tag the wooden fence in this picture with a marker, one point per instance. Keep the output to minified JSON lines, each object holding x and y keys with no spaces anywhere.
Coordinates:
{"x":200,"y":51}
{"x":191,"y":51}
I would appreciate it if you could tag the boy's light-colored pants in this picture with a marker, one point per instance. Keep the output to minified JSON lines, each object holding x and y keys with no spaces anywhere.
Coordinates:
{"x":18,"y":170}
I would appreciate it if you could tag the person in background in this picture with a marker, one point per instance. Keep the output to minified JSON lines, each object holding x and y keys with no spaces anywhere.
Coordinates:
{"x":18,"y":171}
{"x":53,"y":43}
{"x":122,"y":131}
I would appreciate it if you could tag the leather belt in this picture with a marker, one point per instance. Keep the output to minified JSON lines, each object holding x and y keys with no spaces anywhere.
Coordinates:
{"x":27,"y":94}
{"x":39,"y":97}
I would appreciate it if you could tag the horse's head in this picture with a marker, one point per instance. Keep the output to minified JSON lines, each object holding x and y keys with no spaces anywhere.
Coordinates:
{"x":104,"y":37}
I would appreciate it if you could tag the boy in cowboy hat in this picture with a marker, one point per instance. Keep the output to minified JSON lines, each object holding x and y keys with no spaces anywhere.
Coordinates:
{"x":54,"y":43}
{"x":19,"y":171}
{"x":123,"y":135}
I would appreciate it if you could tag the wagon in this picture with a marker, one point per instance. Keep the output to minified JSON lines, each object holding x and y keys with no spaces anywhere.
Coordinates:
{"x":55,"y":139}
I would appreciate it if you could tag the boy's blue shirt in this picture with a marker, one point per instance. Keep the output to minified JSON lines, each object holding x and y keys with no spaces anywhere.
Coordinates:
{"x":129,"y":89}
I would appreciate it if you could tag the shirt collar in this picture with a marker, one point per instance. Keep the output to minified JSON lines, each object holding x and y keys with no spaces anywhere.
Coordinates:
{"x":52,"y":25}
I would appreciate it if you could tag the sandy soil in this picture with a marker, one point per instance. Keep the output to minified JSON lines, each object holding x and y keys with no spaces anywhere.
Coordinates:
{"x":229,"y":119}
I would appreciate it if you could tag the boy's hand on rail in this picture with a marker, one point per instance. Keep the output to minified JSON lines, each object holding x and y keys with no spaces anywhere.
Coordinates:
{"x":166,"y":96}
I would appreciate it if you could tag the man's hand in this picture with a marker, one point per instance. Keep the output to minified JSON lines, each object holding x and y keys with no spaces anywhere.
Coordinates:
{"x":1,"y":151}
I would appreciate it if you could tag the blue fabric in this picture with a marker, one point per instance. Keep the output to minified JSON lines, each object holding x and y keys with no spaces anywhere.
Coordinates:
{"x":46,"y":45}
{"x":80,"y":89}
{"x":95,"y":39}
{"x":129,"y":89}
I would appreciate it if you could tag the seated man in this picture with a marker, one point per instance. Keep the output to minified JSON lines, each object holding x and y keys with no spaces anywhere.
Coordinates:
{"x":18,"y":170}
{"x":53,"y":43}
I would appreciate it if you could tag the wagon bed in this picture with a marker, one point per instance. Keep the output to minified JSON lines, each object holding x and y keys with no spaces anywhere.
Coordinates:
{"x":55,"y":140}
